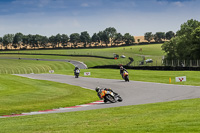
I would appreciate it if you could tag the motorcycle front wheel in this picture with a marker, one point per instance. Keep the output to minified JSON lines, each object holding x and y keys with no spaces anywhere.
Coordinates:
{"x":110,"y":98}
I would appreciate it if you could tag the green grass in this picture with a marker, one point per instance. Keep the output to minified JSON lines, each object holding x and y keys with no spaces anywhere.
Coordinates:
{"x":28,"y":66}
{"x":177,"y":116}
{"x":152,"y":51}
{"x":19,"y":94}
{"x":89,"y":61}
{"x":149,"y":49}
{"x":192,"y":77}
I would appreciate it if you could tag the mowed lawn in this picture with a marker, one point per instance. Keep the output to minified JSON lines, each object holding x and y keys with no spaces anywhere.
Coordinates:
{"x":13,"y":66}
{"x":177,"y":116}
{"x":89,"y":61}
{"x":149,"y":51}
{"x":19,"y":95}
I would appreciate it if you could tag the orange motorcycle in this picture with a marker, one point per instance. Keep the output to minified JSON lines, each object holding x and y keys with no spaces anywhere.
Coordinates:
{"x":125,"y":76}
{"x":109,"y":96}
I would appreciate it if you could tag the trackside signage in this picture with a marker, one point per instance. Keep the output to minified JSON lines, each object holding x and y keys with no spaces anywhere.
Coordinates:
{"x":51,"y":71}
{"x":181,"y":79}
{"x":87,"y":73}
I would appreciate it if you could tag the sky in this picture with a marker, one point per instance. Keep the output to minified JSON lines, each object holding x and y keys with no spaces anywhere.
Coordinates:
{"x":50,"y":17}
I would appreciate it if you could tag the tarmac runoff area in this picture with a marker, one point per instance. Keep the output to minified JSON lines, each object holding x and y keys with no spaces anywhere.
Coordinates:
{"x":133,"y":92}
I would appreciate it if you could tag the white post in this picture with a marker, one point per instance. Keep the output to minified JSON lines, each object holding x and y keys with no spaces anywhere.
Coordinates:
{"x":172,"y":63}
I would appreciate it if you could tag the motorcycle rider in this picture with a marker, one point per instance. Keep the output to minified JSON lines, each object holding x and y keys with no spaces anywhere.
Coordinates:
{"x":122,"y":69}
{"x":101,"y":92}
{"x":76,"y":68}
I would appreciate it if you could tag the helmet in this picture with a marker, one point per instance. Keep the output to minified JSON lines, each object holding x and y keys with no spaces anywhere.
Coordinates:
{"x":97,"y":89}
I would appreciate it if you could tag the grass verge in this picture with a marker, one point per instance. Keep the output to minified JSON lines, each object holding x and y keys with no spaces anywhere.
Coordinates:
{"x":192,"y":77}
{"x":13,"y":66}
{"x":19,"y":95}
{"x":177,"y":116}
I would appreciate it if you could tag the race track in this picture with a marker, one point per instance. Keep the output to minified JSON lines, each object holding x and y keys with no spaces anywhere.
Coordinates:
{"x":133,"y":92}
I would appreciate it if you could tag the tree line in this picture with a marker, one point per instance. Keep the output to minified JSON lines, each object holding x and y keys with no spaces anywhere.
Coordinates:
{"x":107,"y":37}
{"x":158,"y":36}
{"x":186,"y":44}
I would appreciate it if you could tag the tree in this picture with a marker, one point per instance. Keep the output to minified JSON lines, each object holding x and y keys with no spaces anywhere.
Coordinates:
{"x":17,"y":40}
{"x":128,"y":39}
{"x":118,"y":38}
{"x":170,"y":49}
{"x":52,"y":40}
{"x":100,"y":35}
{"x":85,"y":38}
{"x":95,"y":38}
{"x":148,"y":36}
{"x":188,"y":27}
{"x":159,"y":36}
{"x":169,"y":35}
{"x":37,"y":40}
{"x":44,"y":41}
{"x":58,"y":39}
{"x":111,"y":32}
{"x":25,"y":40}
{"x":64,"y":39}
{"x":104,"y":37}
{"x":1,"y":41}
{"x":185,"y":46}
{"x":30,"y":40}
{"x":7,"y":39}
{"x":75,"y":39}
{"x":196,"y":43}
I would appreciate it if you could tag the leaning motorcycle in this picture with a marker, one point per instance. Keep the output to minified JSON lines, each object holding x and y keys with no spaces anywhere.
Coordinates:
{"x":76,"y":73}
{"x":112,"y":97}
{"x":125,"y":76}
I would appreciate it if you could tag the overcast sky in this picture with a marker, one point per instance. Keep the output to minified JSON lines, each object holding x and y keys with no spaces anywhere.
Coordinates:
{"x":50,"y":17}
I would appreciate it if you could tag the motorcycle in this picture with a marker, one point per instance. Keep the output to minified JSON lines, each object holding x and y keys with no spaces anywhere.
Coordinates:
{"x":125,"y":76}
{"x":110,"y":96}
{"x":76,"y":73}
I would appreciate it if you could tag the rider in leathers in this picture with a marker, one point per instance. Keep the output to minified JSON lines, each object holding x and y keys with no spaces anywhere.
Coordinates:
{"x":76,"y":68}
{"x":122,"y":69}
{"x":101,"y":92}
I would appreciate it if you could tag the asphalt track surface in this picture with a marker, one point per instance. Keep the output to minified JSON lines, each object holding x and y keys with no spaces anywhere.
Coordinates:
{"x":133,"y":92}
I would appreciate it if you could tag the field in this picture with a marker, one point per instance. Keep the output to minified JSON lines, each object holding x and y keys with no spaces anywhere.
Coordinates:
{"x":21,"y":94}
{"x":152,"y":51}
